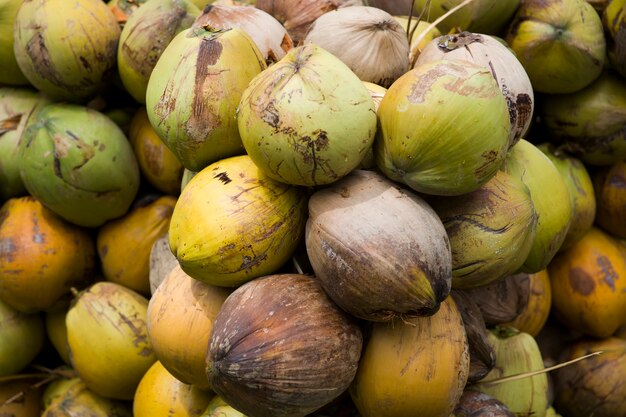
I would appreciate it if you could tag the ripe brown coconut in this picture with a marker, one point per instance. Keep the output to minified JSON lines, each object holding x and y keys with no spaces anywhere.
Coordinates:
{"x":281,"y":347}
{"x":379,"y":250}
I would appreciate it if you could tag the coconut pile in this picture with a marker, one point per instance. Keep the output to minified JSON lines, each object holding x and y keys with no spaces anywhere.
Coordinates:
{"x":313,"y":208}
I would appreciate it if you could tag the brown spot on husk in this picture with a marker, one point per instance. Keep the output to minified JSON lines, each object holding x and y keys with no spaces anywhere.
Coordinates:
{"x":7,"y":249}
{"x":581,"y":282}
{"x":37,"y":51}
{"x":524,"y":106}
{"x":223,"y":177}
{"x":10,"y":123}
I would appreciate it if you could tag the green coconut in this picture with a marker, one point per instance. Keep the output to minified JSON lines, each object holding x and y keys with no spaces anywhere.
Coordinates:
{"x":308,"y":119}
{"x":10,"y":73}
{"x":233,"y":223}
{"x":145,"y":36}
{"x":21,"y":339}
{"x":66,"y":48}
{"x":591,"y":123}
{"x":444,"y":128}
{"x":78,"y":163}
{"x":194,"y":91}
{"x":581,"y":191}
{"x":491,"y":230}
{"x":16,"y":107}
{"x":480,"y":16}
{"x":550,"y":197}
{"x":560,"y":43}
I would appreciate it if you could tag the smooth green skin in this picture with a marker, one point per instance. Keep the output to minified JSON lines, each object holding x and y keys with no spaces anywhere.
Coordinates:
{"x":66,"y":48}
{"x":551,"y":198}
{"x":194,"y":91}
{"x":590,"y":123}
{"x":481,"y":16}
{"x":516,"y":353}
{"x":560,"y":44}
{"x":491,"y":230}
{"x":444,"y":128}
{"x":308,"y":119}
{"x":79,"y":164}
{"x":14,"y":103}
{"x":220,"y":408}
{"x":145,"y":36}
{"x":10,"y":73}
{"x":21,"y":339}
{"x":580,"y":188}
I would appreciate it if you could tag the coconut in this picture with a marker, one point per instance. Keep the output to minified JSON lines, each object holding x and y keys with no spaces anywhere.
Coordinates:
{"x":267,"y":33}
{"x":144,"y":38}
{"x":157,"y":163}
{"x":550,"y":198}
{"x":108,"y":341}
{"x":308,"y":119}
{"x":491,"y":230}
{"x":536,"y":308}
{"x":57,"y":332}
{"x":424,"y":143}
{"x":502,"y":300}
{"x":516,"y":353}
{"x":21,"y":339}
{"x":609,"y":185}
{"x":481,"y":16}
{"x":588,"y":285}
{"x":41,"y":256}
{"x":232,"y":223}
{"x":595,"y":386}
{"x":508,"y":72}
{"x":589,"y":123}
{"x":180,"y":319}
{"x":281,"y":347}
{"x":560,"y":44}
{"x":10,"y":73}
{"x":297,"y":16}
{"x":482,"y":355}
{"x":219,"y":408}
{"x":478,"y":404}
{"x":581,"y":192}
{"x":162,"y":262}
{"x":124,"y":244}
{"x":418,"y":364}
{"x":194,"y":91}
{"x":76,"y":399}
{"x":378,"y":49}
{"x":78,"y":163}
{"x":16,"y":108}
{"x":379,"y":251}
{"x":66,"y":49}
{"x":160,"y":394}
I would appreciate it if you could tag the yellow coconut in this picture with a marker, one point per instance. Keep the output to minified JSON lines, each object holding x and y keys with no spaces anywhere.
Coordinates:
{"x":537,"y":309}
{"x":57,"y":389}
{"x":57,"y":332}
{"x":160,"y":394}
{"x":157,"y":163}
{"x":589,"y":284}
{"x":20,"y":398}
{"x":180,"y":320}
{"x":75,"y":399}
{"x":233,"y":223}
{"x":417,"y":367}
{"x":124,"y":244}
{"x":108,"y":340}
{"x":41,"y":255}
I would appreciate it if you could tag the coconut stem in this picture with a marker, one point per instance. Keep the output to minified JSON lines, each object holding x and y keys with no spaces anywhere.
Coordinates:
{"x":419,"y":19}
{"x":439,"y":20}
